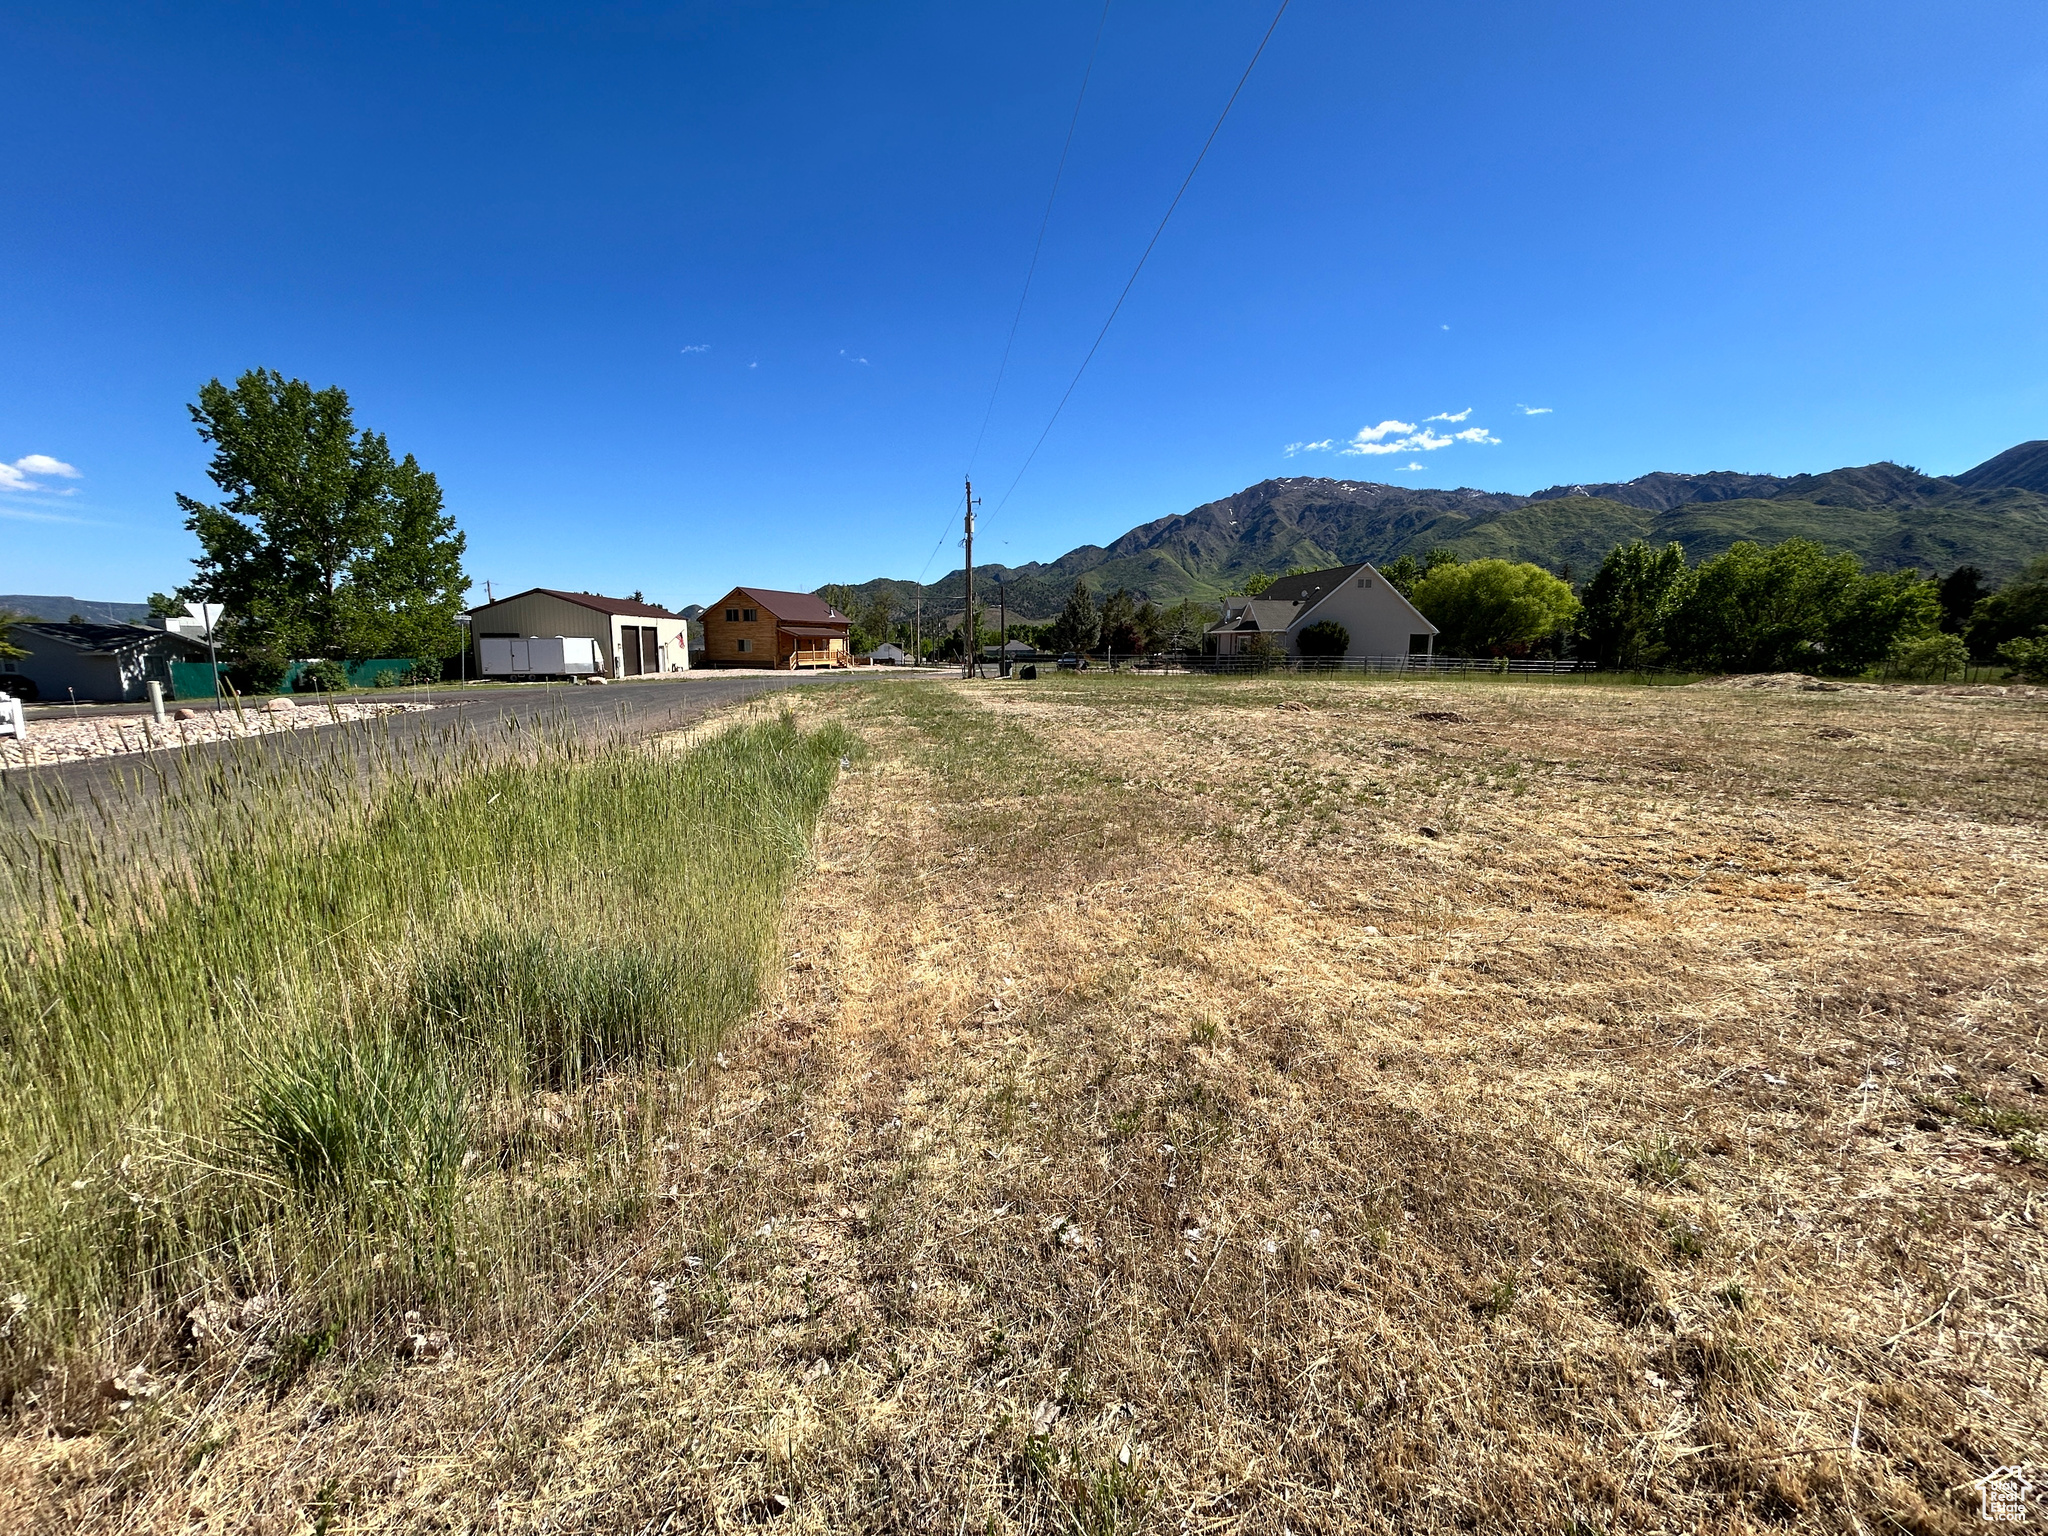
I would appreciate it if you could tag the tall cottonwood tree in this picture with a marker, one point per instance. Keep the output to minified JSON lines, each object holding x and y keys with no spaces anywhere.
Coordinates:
{"x":324,"y":544}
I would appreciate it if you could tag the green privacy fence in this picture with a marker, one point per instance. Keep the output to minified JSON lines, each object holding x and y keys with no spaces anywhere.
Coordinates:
{"x":194,"y":679}
{"x":361,"y":674}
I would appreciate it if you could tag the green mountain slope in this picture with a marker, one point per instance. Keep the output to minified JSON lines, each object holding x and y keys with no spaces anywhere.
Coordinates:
{"x":1888,"y":515}
{"x":2024,"y":467}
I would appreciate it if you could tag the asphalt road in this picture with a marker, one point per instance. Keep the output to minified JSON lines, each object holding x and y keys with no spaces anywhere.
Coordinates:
{"x":640,"y":707}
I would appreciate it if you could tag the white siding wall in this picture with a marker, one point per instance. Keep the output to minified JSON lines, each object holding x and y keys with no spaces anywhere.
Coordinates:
{"x":535,"y":613}
{"x":1377,"y":617}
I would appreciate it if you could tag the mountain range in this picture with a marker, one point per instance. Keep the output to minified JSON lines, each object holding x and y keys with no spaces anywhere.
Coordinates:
{"x":56,"y":610}
{"x":1890,"y":516}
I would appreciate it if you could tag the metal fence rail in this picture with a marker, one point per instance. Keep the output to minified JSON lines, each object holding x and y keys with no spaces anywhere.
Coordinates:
{"x":1419,"y":665}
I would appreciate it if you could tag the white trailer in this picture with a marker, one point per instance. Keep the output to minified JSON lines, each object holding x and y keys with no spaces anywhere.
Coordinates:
{"x":539,"y":656}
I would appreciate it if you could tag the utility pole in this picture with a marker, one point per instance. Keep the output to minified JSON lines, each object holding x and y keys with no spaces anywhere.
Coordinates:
{"x":1003,"y":596}
{"x":917,"y":630}
{"x":970,"y":631}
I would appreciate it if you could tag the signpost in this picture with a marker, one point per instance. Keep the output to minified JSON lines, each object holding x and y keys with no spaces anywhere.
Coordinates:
{"x":209,"y":614}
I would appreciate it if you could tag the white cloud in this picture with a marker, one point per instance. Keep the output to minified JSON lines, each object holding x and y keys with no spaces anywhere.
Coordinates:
{"x":1533,"y":410}
{"x":702,"y":346}
{"x":1391,"y":437}
{"x":16,"y":476}
{"x":23,"y":515}
{"x":851,"y":358}
{"x":43,"y":464}
{"x":1423,"y":440}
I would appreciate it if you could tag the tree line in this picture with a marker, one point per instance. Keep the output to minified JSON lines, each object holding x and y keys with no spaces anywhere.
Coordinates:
{"x":1795,"y":607}
{"x":1792,"y":606}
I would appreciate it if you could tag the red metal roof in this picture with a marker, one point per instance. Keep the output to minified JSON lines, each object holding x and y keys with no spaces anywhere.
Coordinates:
{"x":795,"y":607}
{"x":834,"y":631}
{"x":624,"y":607}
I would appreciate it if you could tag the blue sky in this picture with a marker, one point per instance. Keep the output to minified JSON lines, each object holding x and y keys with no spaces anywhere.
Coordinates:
{"x":677,"y":296}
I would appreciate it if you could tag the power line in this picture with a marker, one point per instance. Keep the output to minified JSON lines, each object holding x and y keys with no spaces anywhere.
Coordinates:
{"x":1039,"y":245}
{"x":1146,"y":256}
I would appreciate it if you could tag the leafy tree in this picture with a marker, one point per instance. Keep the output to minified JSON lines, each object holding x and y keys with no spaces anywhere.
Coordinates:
{"x":323,"y":544}
{"x":8,"y":619}
{"x":1254,"y":584}
{"x":1624,"y":602}
{"x":1263,"y":649}
{"x":1962,"y":589}
{"x":1078,"y":625}
{"x":1493,"y":607}
{"x":163,"y":606}
{"x":1880,"y":613}
{"x":1326,"y":637}
{"x":2011,"y":613}
{"x":1403,"y":573}
{"x":1118,"y":626}
{"x":1929,"y":656}
{"x":1151,"y":626}
{"x":2027,"y":657}
{"x":877,"y":618}
{"x":1758,"y":610}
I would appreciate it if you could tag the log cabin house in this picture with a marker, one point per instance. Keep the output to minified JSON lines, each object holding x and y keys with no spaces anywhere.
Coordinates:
{"x":760,"y":627}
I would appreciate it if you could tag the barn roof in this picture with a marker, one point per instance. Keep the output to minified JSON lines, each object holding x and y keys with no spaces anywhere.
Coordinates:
{"x":624,"y":607}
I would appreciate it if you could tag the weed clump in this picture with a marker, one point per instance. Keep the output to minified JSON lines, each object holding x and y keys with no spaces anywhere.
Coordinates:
{"x":353,"y":1122}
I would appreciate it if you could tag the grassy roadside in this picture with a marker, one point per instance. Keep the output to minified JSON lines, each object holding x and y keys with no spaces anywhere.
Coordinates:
{"x":414,"y":1055}
{"x":1237,"y":1106}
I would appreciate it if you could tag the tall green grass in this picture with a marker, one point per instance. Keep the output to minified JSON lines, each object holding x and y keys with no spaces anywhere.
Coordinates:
{"x":360,"y":1050}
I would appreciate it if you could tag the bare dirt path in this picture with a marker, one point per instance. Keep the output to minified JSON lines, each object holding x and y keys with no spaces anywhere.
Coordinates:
{"x":1244,"y":1106}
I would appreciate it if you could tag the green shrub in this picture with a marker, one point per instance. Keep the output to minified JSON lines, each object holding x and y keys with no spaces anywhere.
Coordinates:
{"x":352,"y":1121}
{"x":321,"y":677}
{"x":2027,"y":658}
{"x":1934,"y":656}
{"x":1327,"y":638}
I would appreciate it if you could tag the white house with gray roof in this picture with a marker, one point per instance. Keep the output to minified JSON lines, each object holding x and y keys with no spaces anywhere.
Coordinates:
{"x":1378,"y":620}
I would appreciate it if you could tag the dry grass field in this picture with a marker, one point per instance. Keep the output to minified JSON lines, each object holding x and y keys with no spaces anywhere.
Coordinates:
{"x":1256,"y":1106}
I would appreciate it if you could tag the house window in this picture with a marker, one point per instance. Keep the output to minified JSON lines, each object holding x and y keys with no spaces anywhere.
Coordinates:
{"x":1365,"y":581}
{"x":732,"y":615}
{"x":749,"y":615}
{"x":746,"y":645}
{"x":1418,"y":645}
